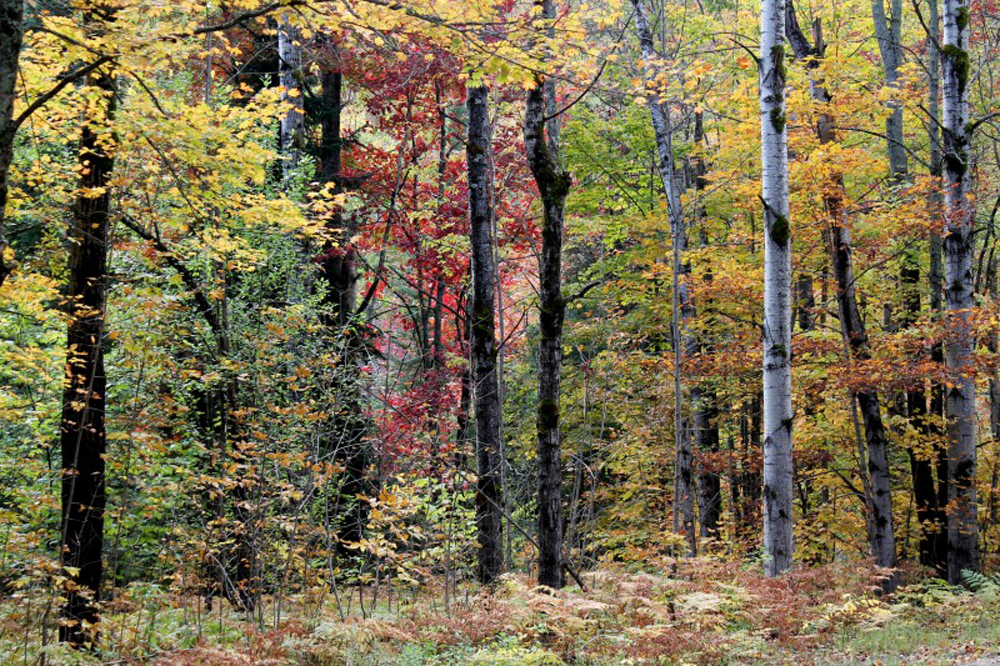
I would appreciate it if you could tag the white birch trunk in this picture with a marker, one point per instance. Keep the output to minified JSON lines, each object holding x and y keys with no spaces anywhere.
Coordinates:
{"x":777,"y":293}
{"x":963,"y":536}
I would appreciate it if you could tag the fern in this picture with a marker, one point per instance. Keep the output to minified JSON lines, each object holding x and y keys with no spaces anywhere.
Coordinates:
{"x":981,"y":583}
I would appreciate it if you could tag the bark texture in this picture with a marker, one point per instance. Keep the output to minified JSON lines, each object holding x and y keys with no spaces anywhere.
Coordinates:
{"x":963,"y":531}
{"x":553,"y":185}
{"x":11,"y":33}
{"x":777,"y":333}
{"x":83,"y":436}
{"x":289,"y":76}
{"x":887,"y":31}
{"x":489,"y":490}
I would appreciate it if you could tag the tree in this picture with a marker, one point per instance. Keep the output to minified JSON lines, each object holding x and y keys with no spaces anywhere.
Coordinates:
{"x":777,"y":334}
{"x":489,"y":492}
{"x":963,"y":530}
{"x":838,"y":236}
{"x":11,"y":32}
{"x":290,"y":75}
{"x":83,"y":436}
{"x":553,"y":181}
{"x":888,"y":33}
{"x":681,"y":309}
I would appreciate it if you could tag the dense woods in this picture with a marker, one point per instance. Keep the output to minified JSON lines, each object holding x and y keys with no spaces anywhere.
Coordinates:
{"x":454,"y":331}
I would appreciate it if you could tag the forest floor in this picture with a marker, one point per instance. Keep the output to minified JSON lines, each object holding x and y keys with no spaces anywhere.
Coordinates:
{"x":705,"y":612}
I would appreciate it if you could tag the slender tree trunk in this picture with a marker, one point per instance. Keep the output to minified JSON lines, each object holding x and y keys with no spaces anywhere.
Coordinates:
{"x":936,"y":280}
{"x":963,"y":530}
{"x":887,"y":30}
{"x":682,"y":309}
{"x":777,"y":332}
{"x":852,"y":326}
{"x":83,"y":433}
{"x":553,"y":185}
{"x":345,"y":439}
{"x":11,"y":32}
{"x":705,"y":399}
{"x":489,"y":491}
{"x":293,"y":119}
{"x":930,"y":513}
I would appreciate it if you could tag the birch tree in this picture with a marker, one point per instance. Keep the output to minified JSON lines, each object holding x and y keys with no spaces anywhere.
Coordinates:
{"x":777,"y":333}
{"x":963,"y":534}
{"x":887,"y":31}
{"x":289,"y":76}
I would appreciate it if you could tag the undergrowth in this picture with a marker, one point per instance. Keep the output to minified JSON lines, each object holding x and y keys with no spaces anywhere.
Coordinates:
{"x":705,"y":613}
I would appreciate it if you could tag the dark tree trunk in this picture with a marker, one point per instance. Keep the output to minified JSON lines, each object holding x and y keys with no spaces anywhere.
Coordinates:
{"x":489,"y":491}
{"x":463,"y":323}
{"x":930,"y":512}
{"x":805,"y":303}
{"x":83,"y":432}
{"x":11,"y":32}
{"x":704,"y":398}
{"x":935,"y":277}
{"x":706,"y":425}
{"x":553,"y":186}
{"x":344,"y":439}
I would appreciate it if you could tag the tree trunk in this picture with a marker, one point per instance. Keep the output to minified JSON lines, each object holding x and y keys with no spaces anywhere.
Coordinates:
{"x":489,"y":493}
{"x":887,"y":32}
{"x":293,"y":119}
{"x":852,"y":326}
{"x":11,"y":32}
{"x":553,"y":185}
{"x":963,"y":529}
{"x":930,"y":512}
{"x":83,"y":432}
{"x":935,"y":277}
{"x":777,"y":332}
{"x":706,"y":426}
{"x":345,"y":438}
{"x":682,"y":309}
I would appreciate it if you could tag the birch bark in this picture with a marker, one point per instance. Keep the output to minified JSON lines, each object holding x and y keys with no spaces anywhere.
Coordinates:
{"x":963,"y":533}
{"x":777,"y":333}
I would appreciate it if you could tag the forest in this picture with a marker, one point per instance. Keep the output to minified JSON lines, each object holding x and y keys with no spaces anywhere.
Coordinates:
{"x":499,"y":332}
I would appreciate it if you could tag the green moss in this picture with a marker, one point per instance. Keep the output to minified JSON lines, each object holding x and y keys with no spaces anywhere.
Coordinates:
{"x":780,"y":230}
{"x":778,"y":119}
{"x":962,"y":18}
{"x":778,"y":56}
{"x":960,"y":62}
{"x":548,"y":414}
